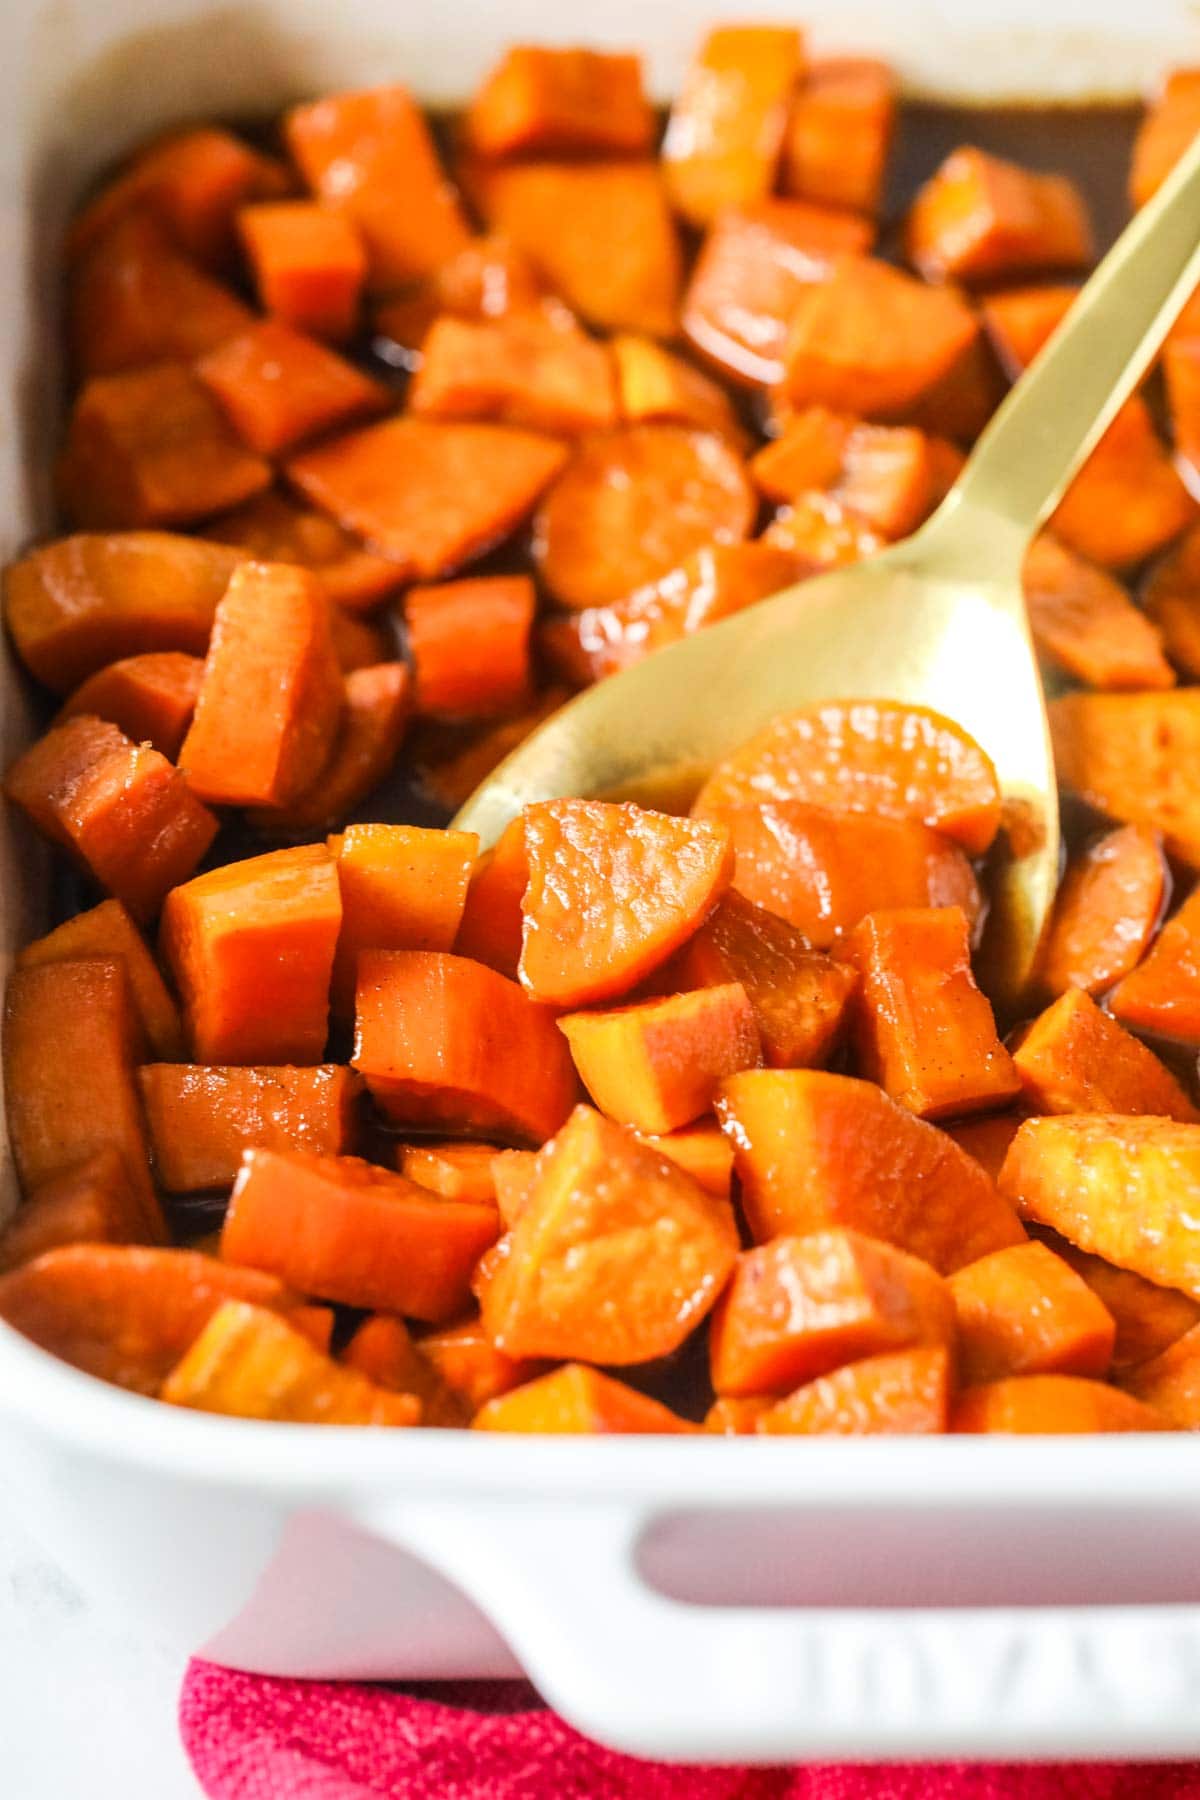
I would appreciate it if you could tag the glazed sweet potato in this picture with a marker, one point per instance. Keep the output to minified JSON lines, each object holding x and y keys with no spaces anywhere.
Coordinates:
{"x":150,"y":698}
{"x":308,"y":262}
{"x":980,"y":217}
{"x":469,"y":642}
{"x":383,"y":1349}
{"x":1076,"y":1059}
{"x":1162,"y":994}
{"x":1181,"y":371}
{"x":1129,"y":756}
{"x":492,"y":920}
{"x":1148,"y":1318}
{"x":819,"y":532}
{"x":1171,"y":595}
{"x":815,"y":1150}
{"x":987,"y":1140}
{"x":577,"y":1399}
{"x":200,"y":1119}
{"x":470,"y":1368}
{"x":403,"y":888}
{"x":1106,"y":912}
{"x":726,"y":128}
{"x":450,"y":780}
{"x":536,"y":369}
{"x":278,"y":387}
{"x":701,"y":1150}
{"x":1023,"y":1311}
{"x":1166,"y":131}
{"x":250,"y":947}
{"x":839,"y":133}
{"x":1084,"y":623}
{"x":108,"y":930}
{"x":904,"y":1393}
{"x":616,"y":1256}
{"x":1050,"y":1405}
{"x":94,"y":1202}
{"x":728,"y":1417}
{"x":1128,"y":501}
{"x":1170,"y":1382}
{"x":655,"y":387}
{"x":376,"y":704}
{"x":552,"y":101}
{"x":456,"y":1171}
{"x":274,"y":528}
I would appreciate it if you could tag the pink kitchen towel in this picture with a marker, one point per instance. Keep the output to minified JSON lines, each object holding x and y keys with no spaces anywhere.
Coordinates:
{"x":254,"y":1738}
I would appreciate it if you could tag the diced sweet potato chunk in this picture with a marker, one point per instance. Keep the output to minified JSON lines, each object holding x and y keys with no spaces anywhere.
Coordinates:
{"x":1172,"y":599}
{"x":1107,"y":909}
{"x":980,"y":217}
{"x":726,"y":127}
{"x":108,"y":930}
{"x":701,"y":1151}
{"x":1024,"y":1311}
{"x":905,"y":1392}
{"x":275,"y":528}
{"x":728,"y":1417}
{"x":1148,"y":1317}
{"x":987,"y":1140}
{"x":200,"y":1119}
{"x":469,"y":642}
{"x":819,"y":532}
{"x":656,"y":387}
{"x":278,"y":387}
{"x":308,"y":262}
{"x":150,"y":698}
{"x":469,"y":1365}
{"x":1168,"y":128}
{"x":1132,"y":756}
{"x":1050,"y":1406}
{"x":492,"y":921}
{"x":577,"y":1399}
{"x":553,"y":101}
{"x":93,"y":1202}
{"x":528,"y":369}
{"x":1128,"y":500}
{"x":840,"y":132}
{"x":383,"y":1349}
{"x":1076,"y":1059}
{"x":376,"y":703}
{"x":1020,"y":320}
{"x":1170,"y":1382}
{"x":1162,"y":994}
{"x":1181,"y":370}
{"x":456,"y":1171}
{"x":403,"y":888}
{"x":1084,"y":622}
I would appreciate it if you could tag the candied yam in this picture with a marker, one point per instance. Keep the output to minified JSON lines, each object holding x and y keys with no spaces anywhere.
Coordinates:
{"x":701,"y":1150}
{"x":250,"y":947}
{"x":403,"y":887}
{"x":1172,"y":599}
{"x":1181,"y":370}
{"x":488,"y":279}
{"x":124,"y":813}
{"x":1169,"y":126}
{"x":840,"y":132}
{"x":870,"y":756}
{"x":819,"y":532}
{"x":1021,"y":320}
{"x":271,"y":699}
{"x":725,"y":131}
{"x":1170,"y":1382}
{"x":986,"y":1141}
{"x":823,"y":871}
{"x":814,"y":1151}
{"x":1132,"y":756}
{"x":807,"y":455}
{"x":150,"y":447}
{"x":578,"y":1400}
{"x":1162,"y":994}
{"x":1148,"y":1317}
{"x":371,"y":156}
{"x":354,"y":1233}
{"x":108,"y":930}
{"x":251,"y":1364}
{"x":1050,"y":1405}
{"x":561,"y":101}
{"x":1127,"y":502}
{"x":278,"y":387}
{"x":525,"y":369}
{"x":1076,"y":1059}
{"x":737,"y":1418}
{"x":275,"y":528}
{"x":308,"y":264}
{"x":752,"y":267}
{"x":470,"y":1367}
{"x":383,"y":1349}
{"x":492,"y":921}
{"x":1024,"y":1311}
{"x":451,"y":780}
{"x":655,"y":387}
{"x":799,"y":1307}
{"x":799,"y":997}
{"x":613,"y":889}
{"x":904,"y":1392}
{"x":1106,"y":912}
{"x":1125,"y":1188}
{"x":429,"y":495}
{"x":456,"y":1171}
{"x":868,"y":339}
{"x":85,"y":601}
{"x":200,"y":1119}
{"x":514,"y":1173}
{"x":92,"y":1202}
{"x":469,"y":642}
{"x":980,"y":217}
{"x":616,"y":1256}
{"x":444,"y":1042}
{"x":151,"y":698}
{"x":376,"y":702}
{"x":1084,"y":622}
{"x":883,"y":474}
{"x":919,"y":1024}
{"x":600,"y":234}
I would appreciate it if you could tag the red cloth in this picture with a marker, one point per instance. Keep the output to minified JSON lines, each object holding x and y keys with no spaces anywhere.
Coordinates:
{"x":251,"y":1738}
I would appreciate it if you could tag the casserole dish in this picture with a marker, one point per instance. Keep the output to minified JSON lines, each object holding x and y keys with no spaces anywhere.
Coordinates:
{"x":691,"y":1600}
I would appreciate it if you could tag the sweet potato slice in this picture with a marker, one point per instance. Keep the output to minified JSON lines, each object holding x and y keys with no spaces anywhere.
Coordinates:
{"x":839,"y":133}
{"x":469,"y":642}
{"x":275,"y":528}
{"x":278,"y":387}
{"x":108,"y":930}
{"x":656,"y":1066}
{"x":1125,"y":1188}
{"x":1170,"y":1382}
{"x":150,"y":447}
{"x":612,"y":891}
{"x":633,"y":504}
{"x":1020,"y":320}
{"x":726,"y":128}
{"x":1050,"y":1406}
{"x":492,"y":922}
{"x":799,"y":1307}
{"x":444,"y":1042}
{"x":576,"y":1399}
{"x":987,"y":1141}
{"x":616,"y":1257}
{"x":93,"y":1202}
{"x":403,"y":888}
{"x":78,"y":604}
{"x":919,"y":1024}
{"x":906,"y":1392}
{"x":470,"y":1367}
{"x":150,"y":698}
{"x":1162,"y":994}
{"x":426,"y":494}
{"x":1024,"y":1311}
{"x":1166,"y":131}
{"x":815,"y":1151}
{"x":1084,"y":622}
{"x":351,"y":1232}
{"x":701,"y":1150}
{"x":201,"y":1119}
{"x":799,"y":997}
{"x":1148,"y":1317}
{"x":308,"y":262}
{"x":376,"y":703}
{"x":250,"y":947}
{"x":527,"y":369}
{"x":1108,"y":907}
{"x":870,"y":756}
{"x":250,"y":1364}
{"x":456,"y":1171}
{"x":371,"y":156}
{"x":980,"y":217}
{"x":120,"y":808}
{"x":1131,"y":756}
{"x":1076,"y":1059}
{"x":655,"y":387}
{"x":552,"y":101}
{"x":1128,"y":501}
{"x":599,"y":233}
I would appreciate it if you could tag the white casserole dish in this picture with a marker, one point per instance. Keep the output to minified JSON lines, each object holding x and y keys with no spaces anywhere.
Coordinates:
{"x":703,"y":1599}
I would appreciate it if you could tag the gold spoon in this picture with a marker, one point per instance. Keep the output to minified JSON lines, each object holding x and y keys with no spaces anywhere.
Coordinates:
{"x":938,"y":619}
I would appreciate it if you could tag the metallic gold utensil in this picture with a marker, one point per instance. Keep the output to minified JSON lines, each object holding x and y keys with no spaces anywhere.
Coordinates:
{"x":938,"y":618}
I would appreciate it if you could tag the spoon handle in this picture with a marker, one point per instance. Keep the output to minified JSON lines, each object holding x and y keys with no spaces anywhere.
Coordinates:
{"x":1055,"y":415}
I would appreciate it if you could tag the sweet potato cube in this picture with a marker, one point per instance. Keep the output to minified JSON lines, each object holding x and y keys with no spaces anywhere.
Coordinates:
{"x":376,"y":704}
{"x":403,"y":888}
{"x":576,"y":1399}
{"x":1171,"y":595}
{"x":919,"y":1024}
{"x":250,"y":1364}
{"x":906,"y":1392}
{"x":150,"y":447}
{"x":801,"y":1306}
{"x":1050,"y":1406}
{"x":271,"y":698}
{"x":980,"y":217}
{"x":108,"y":930}
{"x":273,"y":527}
{"x":1076,"y":1059}
{"x":371,"y":156}
{"x":819,"y":532}
{"x":657,"y":1065}
{"x":514,"y":1175}
{"x":468,"y":1364}
{"x":616,"y":1257}
{"x":383,"y":1349}
{"x":807,"y":455}
{"x":1131,"y":756}
{"x":656,"y":387}
{"x":1128,"y":500}
{"x":150,"y":698}
{"x":1020,"y":320}
{"x":351,"y":1232}
{"x":469,"y":642}
{"x":725,"y":132}
{"x":250,"y":947}
{"x":1024,"y":1311}
{"x":1166,"y":131}
{"x":492,"y":920}
{"x":1162,"y":994}
{"x":527,"y":369}
{"x":456,"y":1171}
{"x":701,"y":1150}
{"x":488,"y":279}
{"x":1170,"y":1382}
{"x":727,"y":1417}
{"x":94,"y":1202}
{"x":613,"y":889}
{"x":552,"y":101}
{"x":444,"y":1042}
{"x":987,"y":1140}
{"x":1181,"y":369}
{"x":123,"y":812}
{"x":815,"y":1151}
{"x":278,"y":387}
{"x":1148,"y":1317}
{"x":1084,"y":622}
{"x":839,"y":133}
{"x":308,"y":263}
{"x":429,"y":495}
{"x":201,"y":1119}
